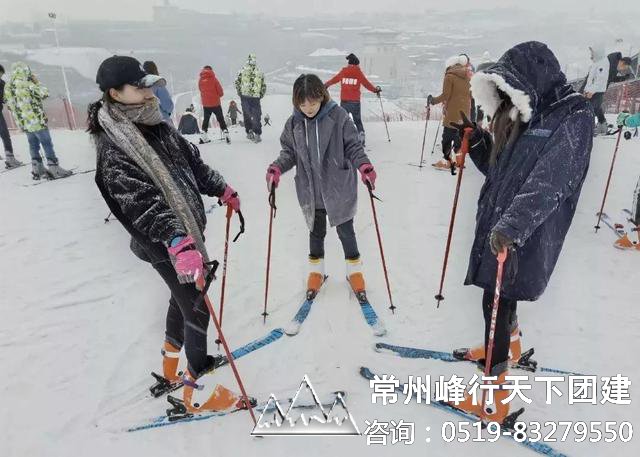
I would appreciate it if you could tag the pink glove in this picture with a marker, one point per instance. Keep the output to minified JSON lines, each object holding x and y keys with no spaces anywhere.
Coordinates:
{"x":186,"y":260}
{"x":273,"y":176}
{"x":230,"y":197}
{"x":368,"y":174}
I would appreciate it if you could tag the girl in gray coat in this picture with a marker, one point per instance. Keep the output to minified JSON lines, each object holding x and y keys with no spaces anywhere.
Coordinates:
{"x":322,"y":142}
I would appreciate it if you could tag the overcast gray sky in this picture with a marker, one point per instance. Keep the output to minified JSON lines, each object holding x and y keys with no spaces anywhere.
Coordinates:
{"x":26,"y":10}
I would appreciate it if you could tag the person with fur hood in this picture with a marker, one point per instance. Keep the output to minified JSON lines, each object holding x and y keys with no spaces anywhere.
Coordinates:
{"x":456,"y":99}
{"x":535,"y":162}
{"x":152,"y":180}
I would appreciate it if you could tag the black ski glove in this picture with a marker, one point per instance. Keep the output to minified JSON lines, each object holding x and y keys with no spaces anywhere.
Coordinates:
{"x":430,"y":99}
{"x":466,"y":123}
{"x":378,"y":90}
{"x":498,"y":242}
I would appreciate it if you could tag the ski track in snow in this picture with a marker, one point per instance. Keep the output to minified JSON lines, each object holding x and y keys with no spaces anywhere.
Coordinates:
{"x":83,"y":319}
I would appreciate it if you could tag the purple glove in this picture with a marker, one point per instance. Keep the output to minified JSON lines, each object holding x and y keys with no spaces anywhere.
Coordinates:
{"x":230,"y":197}
{"x":273,"y":176}
{"x":186,"y":259}
{"x":368,"y":174}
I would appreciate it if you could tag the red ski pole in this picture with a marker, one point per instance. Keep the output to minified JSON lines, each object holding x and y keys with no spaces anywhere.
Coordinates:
{"x":424,"y":137}
{"x":272,"y":215}
{"x":384,"y":263}
{"x":465,"y":150}
{"x":224,"y":265}
{"x":502,"y":257}
{"x":201,"y":285}
{"x":606,"y":189}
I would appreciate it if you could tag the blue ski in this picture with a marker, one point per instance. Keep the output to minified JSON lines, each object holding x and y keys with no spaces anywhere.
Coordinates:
{"x":372,"y":319}
{"x":294,"y":326}
{"x":163,"y":386}
{"x":540,"y":448}
{"x":415,"y":353}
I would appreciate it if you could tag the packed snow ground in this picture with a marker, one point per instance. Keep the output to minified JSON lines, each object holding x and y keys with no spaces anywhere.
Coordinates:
{"x":83,"y":320}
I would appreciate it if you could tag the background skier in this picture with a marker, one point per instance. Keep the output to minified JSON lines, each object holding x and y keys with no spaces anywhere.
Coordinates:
{"x":161,"y":92}
{"x":189,"y":122}
{"x":233,"y":112}
{"x":25,"y":96}
{"x":455,"y":98}
{"x":9,"y":159}
{"x":251,"y":88}
{"x":211,"y":92}
{"x":350,"y":79}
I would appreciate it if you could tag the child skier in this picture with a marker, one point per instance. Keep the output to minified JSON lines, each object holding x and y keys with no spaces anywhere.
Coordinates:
{"x":322,"y":142}
{"x":233,"y":112}
{"x":535,"y":166}
{"x":151,"y":178}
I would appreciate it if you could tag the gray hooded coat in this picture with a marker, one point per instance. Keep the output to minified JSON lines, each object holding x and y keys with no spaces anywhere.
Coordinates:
{"x":326,"y":152}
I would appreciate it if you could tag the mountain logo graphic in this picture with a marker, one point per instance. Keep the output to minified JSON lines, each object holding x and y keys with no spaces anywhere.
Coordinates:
{"x":308,"y":419}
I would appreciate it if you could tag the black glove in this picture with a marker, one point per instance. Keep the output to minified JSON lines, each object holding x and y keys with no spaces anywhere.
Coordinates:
{"x":378,"y":90}
{"x":499,"y":242}
{"x":430,"y":99}
{"x":466,"y":123}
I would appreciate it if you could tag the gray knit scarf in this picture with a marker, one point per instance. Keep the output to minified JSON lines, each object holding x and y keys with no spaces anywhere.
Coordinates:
{"x":117,"y":120}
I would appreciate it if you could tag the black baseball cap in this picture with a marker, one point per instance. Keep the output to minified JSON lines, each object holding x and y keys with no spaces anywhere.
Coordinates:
{"x":118,"y":70}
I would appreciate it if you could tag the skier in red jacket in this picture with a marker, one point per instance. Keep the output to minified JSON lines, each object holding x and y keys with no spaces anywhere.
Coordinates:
{"x":210,"y":93}
{"x":350,"y":79}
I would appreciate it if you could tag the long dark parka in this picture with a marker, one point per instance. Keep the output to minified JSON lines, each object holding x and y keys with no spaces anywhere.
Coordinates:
{"x":534,"y":179}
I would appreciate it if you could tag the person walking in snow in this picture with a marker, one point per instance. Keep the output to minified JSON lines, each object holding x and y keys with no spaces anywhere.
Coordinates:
{"x":211,"y":93}
{"x":152,"y":180}
{"x":350,"y":79}
{"x":9,"y":159}
{"x":251,"y":87}
{"x":322,"y":142}
{"x":233,"y":112}
{"x":602,"y":72}
{"x":24,"y":96}
{"x":626,"y":243}
{"x":455,"y":98}
{"x":535,"y":164}
{"x":161,"y":92}
{"x":189,"y":122}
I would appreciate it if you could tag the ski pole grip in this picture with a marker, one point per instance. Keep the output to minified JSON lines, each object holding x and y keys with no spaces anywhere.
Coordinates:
{"x":502,"y":255}
{"x":229,"y":212}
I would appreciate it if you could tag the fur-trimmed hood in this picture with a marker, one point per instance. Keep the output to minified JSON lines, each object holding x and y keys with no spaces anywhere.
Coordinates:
{"x":456,"y":60}
{"x":528,"y":73}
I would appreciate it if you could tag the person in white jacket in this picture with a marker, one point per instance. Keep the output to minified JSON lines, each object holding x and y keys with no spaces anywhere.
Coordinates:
{"x":596,"y":85}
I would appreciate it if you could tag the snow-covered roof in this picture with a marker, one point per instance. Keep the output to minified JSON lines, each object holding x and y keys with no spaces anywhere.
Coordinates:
{"x":325,"y":52}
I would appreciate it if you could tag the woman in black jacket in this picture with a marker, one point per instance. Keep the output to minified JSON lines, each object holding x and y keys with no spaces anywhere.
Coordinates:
{"x":152,"y":180}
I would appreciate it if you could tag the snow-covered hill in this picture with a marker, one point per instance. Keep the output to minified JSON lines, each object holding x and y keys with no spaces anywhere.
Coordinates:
{"x":83,"y":320}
